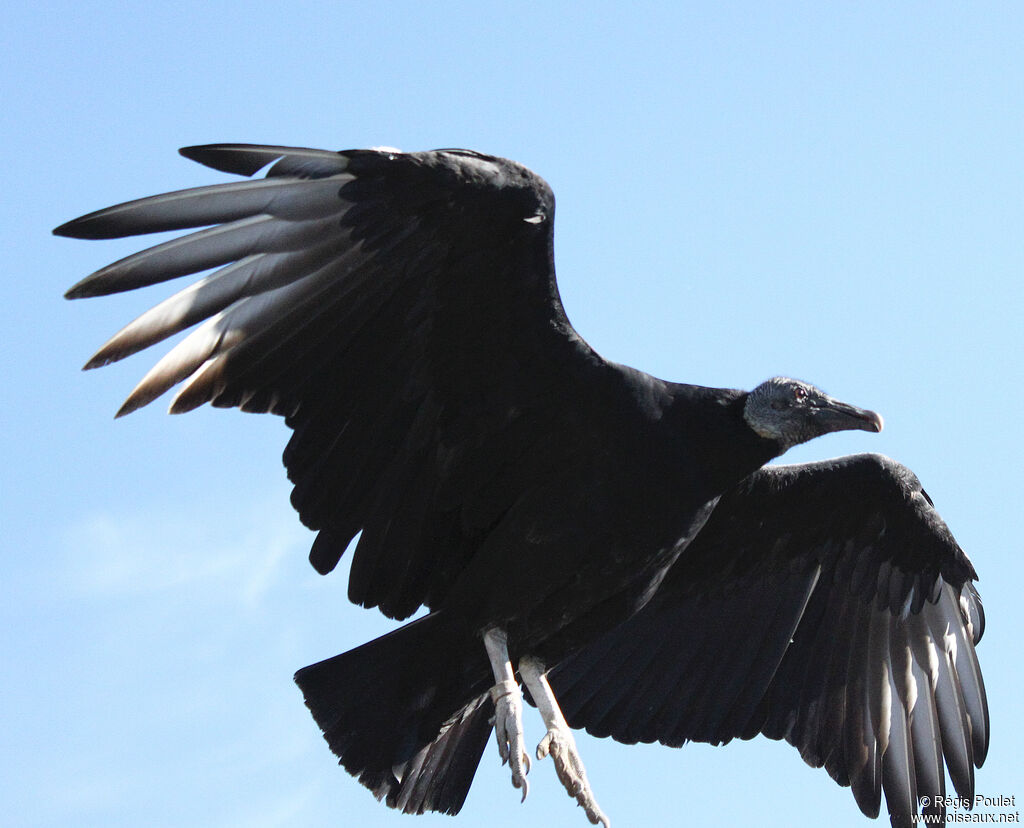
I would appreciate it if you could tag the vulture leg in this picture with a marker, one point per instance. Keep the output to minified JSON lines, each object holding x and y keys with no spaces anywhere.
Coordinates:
{"x":559,"y":742}
{"x":508,"y":710}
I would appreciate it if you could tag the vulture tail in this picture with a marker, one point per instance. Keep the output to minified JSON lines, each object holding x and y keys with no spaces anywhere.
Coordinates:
{"x":409,"y":713}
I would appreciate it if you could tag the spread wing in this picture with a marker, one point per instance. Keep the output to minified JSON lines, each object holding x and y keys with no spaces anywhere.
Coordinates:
{"x":826,"y":604}
{"x":400,"y":310}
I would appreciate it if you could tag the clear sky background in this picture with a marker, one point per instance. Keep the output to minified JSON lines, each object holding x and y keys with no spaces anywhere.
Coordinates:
{"x":827,"y":190}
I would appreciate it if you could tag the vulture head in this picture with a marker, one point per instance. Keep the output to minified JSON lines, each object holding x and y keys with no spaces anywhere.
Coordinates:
{"x":792,"y":412}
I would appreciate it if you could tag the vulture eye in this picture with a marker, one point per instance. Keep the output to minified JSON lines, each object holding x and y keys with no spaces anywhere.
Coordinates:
{"x":799,"y":394}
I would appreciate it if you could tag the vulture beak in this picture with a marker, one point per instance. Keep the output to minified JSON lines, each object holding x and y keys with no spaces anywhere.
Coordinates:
{"x":833,"y":415}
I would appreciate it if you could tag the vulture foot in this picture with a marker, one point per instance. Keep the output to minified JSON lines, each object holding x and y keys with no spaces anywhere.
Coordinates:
{"x":560,"y":745}
{"x":508,"y":729}
{"x":559,"y":742}
{"x":508,"y":710}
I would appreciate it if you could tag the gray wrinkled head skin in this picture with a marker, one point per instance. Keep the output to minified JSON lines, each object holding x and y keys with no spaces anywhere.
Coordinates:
{"x":793,"y":412}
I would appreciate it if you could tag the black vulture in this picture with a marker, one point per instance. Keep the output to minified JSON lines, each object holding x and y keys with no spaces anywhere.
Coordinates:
{"x":567,"y":521}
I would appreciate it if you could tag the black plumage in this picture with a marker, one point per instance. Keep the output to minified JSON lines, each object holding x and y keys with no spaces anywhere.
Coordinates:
{"x":813,"y":592}
{"x":400,"y":311}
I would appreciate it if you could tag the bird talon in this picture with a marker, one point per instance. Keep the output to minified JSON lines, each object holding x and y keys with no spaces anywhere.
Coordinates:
{"x":508,"y":731}
{"x":560,"y":745}
{"x":502,"y":740}
{"x":522,"y":783}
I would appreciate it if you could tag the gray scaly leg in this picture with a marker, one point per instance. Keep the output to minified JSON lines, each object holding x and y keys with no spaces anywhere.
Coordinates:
{"x":508,"y":710}
{"x":559,"y":742}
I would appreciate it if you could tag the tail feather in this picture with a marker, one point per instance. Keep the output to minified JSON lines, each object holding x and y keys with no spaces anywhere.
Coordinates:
{"x":439,"y":776}
{"x":408,"y":713}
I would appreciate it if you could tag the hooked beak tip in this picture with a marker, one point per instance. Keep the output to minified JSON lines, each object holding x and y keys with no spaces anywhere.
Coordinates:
{"x":842,"y":416}
{"x":864,"y":420}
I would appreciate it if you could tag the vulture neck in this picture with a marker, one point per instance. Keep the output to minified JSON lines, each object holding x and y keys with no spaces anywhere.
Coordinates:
{"x":711,"y":420}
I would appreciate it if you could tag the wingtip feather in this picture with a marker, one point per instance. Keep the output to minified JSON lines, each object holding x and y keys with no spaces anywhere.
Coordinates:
{"x":247,"y":159}
{"x":87,"y":227}
{"x":229,"y":158}
{"x":65,"y":230}
{"x":95,"y":361}
{"x":136,"y":400}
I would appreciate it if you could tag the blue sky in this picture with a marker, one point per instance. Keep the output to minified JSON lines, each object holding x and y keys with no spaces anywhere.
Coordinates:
{"x":830,"y":191}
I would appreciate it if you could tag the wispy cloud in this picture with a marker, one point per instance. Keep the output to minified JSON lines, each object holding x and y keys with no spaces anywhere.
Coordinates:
{"x":150,"y":551}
